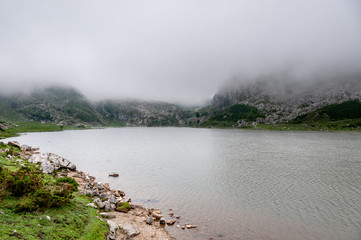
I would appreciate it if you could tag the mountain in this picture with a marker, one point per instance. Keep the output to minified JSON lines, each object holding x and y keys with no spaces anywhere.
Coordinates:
{"x":141,"y":113}
{"x":67,"y":106}
{"x":276,"y":100}
{"x":49,"y":105}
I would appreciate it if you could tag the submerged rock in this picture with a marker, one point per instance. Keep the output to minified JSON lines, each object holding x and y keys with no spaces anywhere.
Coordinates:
{"x":171,"y":221}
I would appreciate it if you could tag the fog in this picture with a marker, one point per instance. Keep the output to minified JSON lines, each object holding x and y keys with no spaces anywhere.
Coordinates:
{"x":177,"y":51}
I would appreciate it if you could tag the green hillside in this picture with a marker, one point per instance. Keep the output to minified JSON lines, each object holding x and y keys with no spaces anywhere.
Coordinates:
{"x":233,"y":114}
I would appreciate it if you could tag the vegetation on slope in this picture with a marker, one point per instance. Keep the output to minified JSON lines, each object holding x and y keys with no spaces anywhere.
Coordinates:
{"x":335,"y":112}
{"x":233,"y":115}
{"x":34,"y":205}
{"x":13,"y":129}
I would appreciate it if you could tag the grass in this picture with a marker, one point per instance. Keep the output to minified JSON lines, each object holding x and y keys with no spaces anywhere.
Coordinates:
{"x":345,"y":116}
{"x":231,"y":115}
{"x":23,"y":127}
{"x":71,"y":220}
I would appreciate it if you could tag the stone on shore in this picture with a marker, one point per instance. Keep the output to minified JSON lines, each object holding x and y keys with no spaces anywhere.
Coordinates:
{"x":157,"y":214}
{"x":149,"y":220}
{"x":162,"y":221}
{"x":130,"y":230}
{"x":112,"y":229}
{"x":14,"y":144}
{"x":49,"y":159}
{"x":91,"y":205}
{"x":190,"y":226}
{"x":171,"y":221}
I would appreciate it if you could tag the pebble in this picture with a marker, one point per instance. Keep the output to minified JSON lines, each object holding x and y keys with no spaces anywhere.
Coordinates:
{"x":171,"y":222}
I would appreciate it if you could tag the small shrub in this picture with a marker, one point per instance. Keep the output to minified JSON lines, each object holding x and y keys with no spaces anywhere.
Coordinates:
{"x":22,"y":181}
{"x":123,"y":207}
{"x":69,"y":180}
{"x":33,"y":191}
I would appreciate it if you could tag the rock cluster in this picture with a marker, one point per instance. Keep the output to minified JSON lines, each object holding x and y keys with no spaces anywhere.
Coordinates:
{"x":49,"y":162}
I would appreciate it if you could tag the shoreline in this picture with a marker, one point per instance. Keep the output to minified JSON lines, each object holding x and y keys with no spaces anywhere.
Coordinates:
{"x":125,"y":219}
{"x":14,"y":129}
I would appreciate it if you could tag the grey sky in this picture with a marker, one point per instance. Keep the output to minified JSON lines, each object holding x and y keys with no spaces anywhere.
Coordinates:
{"x":171,"y":50}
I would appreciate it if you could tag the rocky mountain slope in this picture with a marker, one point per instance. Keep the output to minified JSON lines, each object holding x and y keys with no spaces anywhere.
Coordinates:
{"x":67,"y":106}
{"x":279,"y":100}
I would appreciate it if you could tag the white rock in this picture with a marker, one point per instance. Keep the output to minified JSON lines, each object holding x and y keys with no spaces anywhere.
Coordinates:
{"x":130,"y":230}
{"x":91,"y":205}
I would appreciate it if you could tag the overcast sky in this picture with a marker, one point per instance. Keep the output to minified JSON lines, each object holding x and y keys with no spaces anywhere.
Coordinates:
{"x":178,"y":51}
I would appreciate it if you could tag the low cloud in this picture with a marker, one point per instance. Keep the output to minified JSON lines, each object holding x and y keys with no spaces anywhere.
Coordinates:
{"x":178,"y":51}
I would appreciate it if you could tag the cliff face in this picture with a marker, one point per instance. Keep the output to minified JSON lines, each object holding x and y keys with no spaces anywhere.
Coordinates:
{"x":281,"y":100}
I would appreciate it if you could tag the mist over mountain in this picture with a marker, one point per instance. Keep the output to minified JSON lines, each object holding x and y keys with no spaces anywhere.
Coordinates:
{"x":67,"y":106}
{"x":178,"y":51}
{"x":279,"y":98}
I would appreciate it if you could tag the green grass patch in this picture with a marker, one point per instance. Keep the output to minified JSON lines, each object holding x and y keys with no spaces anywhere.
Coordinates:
{"x":72,"y":221}
{"x":28,"y":197}
{"x":23,"y":127}
{"x":231,"y":115}
{"x":123,"y":207}
{"x":334,"y":112}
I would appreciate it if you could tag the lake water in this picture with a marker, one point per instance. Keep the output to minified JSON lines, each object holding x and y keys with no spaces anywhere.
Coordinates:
{"x":233,"y":184}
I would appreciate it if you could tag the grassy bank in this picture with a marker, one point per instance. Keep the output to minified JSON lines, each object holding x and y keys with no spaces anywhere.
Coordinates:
{"x":341,"y":125}
{"x":34,"y":205}
{"x":23,"y":127}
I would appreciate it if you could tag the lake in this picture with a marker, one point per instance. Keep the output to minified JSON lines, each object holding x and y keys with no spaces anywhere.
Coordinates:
{"x":233,"y":184}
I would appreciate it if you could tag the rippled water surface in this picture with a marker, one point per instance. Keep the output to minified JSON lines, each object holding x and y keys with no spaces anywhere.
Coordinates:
{"x":233,"y":184}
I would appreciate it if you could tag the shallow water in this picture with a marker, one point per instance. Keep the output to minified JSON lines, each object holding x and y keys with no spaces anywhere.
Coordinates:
{"x":233,"y":184}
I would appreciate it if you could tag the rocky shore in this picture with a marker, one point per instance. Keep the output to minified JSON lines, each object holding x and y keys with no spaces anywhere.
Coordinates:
{"x":125,"y":219}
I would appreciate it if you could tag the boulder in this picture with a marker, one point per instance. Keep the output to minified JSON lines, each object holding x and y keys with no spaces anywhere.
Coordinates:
{"x":100,"y":186}
{"x":149,"y":220}
{"x":130,"y":230}
{"x":112,"y":229}
{"x":91,"y":205}
{"x":162,"y":221}
{"x":14,"y":144}
{"x":47,"y":167}
{"x":157,"y":214}
{"x":108,"y":206}
{"x":121,"y":193}
{"x":99,"y":203}
{"x":47,"y":159}
{"x":112,"y":199}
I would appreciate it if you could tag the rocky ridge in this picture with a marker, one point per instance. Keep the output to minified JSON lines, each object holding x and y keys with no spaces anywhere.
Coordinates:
{"x":67,"y":106}
{"x":281,"y":101}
